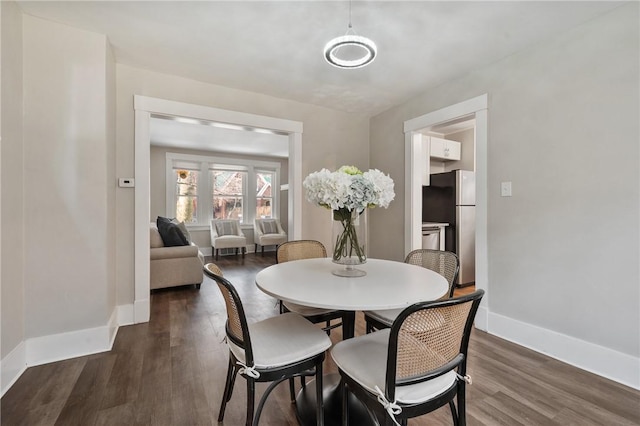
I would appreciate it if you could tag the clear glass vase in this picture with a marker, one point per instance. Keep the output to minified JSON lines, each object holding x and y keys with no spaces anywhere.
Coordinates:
{"x":349,"y":241}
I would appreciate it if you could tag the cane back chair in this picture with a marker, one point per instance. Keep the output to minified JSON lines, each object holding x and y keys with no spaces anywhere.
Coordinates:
{"x":272,"y":350}
{"x":445,"y":263}
{"x":310,"y":249}
{"x":416,"y":366}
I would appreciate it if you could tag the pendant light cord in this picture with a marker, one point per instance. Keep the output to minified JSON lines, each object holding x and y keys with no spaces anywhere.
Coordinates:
{"x":350,"y":30}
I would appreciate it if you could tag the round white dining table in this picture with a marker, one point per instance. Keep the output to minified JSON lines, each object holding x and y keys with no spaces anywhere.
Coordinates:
{"x":386,"y":285}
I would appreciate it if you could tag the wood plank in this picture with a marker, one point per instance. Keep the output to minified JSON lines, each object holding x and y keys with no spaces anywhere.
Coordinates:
{"x":85,"y":399}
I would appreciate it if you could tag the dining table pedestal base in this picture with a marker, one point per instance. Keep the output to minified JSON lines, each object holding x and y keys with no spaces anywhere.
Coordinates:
{"x":332,"y":398}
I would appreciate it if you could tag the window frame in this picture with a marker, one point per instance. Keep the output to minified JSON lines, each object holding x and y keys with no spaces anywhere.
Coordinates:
{"x":206,"y":164}
{"x":245,"y":185}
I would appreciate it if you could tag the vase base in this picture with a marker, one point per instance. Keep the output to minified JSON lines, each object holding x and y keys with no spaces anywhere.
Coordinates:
{"x":349,"y":271}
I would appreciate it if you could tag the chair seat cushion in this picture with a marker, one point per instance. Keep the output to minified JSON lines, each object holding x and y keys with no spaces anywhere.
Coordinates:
{"x":283,"y":339}
{"x":272,"y":239}
{"x":229,"y":241}
{"x":364,"y":358}
{"x":387,"y":316}
{"x":305,"y":311}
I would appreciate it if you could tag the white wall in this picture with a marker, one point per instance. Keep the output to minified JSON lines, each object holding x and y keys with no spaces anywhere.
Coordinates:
{"x":68,"y":175}
{"x":563,"y":251}
{"x":331,"y":138}
{"x":12,"y":216}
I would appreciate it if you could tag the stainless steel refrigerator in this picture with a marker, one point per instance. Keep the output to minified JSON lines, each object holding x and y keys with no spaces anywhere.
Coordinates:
{"x":451,"y":198}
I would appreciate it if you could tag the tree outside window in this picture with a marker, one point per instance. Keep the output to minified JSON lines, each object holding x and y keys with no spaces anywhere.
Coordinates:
{"x":187,"y":195}
{"x":228,"y":194}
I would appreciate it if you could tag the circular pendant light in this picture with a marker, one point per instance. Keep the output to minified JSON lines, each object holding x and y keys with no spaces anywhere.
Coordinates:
{"x":365,"y":48}
{"x":350,"y":50}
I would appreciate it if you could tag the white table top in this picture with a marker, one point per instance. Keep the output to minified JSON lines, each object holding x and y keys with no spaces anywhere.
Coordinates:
{"x":387,"y":285}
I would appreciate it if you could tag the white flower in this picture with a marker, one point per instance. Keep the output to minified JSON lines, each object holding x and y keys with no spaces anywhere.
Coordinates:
{"x":382,"y":186}
{"x":349,"y":188}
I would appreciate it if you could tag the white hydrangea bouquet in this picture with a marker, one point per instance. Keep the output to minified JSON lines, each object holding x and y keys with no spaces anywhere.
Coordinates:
{"x":349,"y":192}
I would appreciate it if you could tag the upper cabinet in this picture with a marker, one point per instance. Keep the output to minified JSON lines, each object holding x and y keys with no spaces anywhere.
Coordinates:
{"x":444,"y":149}
{"x":437,"y":152}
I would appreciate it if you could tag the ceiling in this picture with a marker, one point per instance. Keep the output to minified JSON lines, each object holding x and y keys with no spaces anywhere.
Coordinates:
{"x":200,"y":135}
{"x":275,"y":47}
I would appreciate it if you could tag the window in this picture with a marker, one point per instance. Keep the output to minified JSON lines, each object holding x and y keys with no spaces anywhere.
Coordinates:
{"x":229,"y":189}
{"x":264,"y":197}
{"x":201,"y":188}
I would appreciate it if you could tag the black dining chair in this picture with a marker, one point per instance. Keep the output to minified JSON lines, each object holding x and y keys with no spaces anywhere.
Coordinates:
{"x":415,"y":367}
{"x":272,"y":350}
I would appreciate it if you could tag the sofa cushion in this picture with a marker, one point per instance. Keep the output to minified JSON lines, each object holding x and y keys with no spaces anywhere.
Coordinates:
{"x":184,"y":229}
{"x":170,"y":232}
{"x":155,"y":239}
{"x":269,"y":227}
{"x":177,"y":252}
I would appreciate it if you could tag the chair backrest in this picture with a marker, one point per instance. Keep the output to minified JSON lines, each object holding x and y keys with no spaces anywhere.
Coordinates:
{"x":445,"y":263}
{"x":236,"y":326}
{"x":223,"y":227}
{"x":213,"y":268}
{"x":429,"y":339}
{"x":300,"y":249}
{"x":267,"y":226}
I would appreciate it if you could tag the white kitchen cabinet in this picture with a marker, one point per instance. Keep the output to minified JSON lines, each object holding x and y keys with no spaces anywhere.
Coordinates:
{"x":444,"y":149}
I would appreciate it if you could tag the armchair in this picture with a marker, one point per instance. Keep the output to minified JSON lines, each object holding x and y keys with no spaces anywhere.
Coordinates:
{"x":268,"y":232}
{"x":226,"y":233}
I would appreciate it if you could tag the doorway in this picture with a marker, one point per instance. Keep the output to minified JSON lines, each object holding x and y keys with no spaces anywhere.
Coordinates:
{"x":144,"y":108}
{"x":415,"y":170}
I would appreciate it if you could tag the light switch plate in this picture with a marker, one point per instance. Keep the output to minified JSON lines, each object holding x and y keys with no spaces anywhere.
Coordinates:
{"x":505,"y":189}
{"x":126,"y":183}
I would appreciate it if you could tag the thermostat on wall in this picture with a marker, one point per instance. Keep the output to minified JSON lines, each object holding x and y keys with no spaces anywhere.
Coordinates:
{"x":126,"y":182}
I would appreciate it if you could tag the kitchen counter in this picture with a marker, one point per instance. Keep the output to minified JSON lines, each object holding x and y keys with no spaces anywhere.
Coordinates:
{"x":430,"y":228}
{"x":434,"y":225}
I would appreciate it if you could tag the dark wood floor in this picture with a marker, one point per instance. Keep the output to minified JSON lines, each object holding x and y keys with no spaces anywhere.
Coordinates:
{"x":171,"y":371}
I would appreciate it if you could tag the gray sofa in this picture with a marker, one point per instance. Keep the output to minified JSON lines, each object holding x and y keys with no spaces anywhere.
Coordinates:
{"x":174,"y":266}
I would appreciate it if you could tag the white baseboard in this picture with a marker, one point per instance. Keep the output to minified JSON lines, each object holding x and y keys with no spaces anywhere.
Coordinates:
{"x":141,"y":311}
{"x":12,"y":366}
{"x":605,"y":362}
{"x":57,"y":347}
{"x":126,"y":314}
{"x":481,"y":318}
{"x":113,"y":327}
